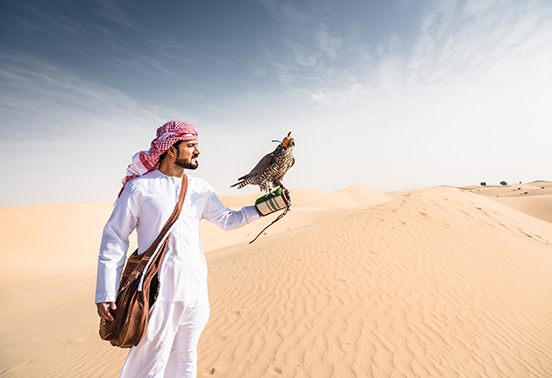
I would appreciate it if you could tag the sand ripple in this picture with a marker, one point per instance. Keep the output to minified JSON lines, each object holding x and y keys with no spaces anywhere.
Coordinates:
{"x":440,"y":283}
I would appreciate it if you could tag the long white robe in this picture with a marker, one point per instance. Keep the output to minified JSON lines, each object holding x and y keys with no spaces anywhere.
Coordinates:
{"x":145,"y":205}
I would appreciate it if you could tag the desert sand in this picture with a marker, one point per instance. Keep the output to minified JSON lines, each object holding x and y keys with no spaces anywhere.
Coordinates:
{"x":534,"y":198}
{"x":436,"y":282}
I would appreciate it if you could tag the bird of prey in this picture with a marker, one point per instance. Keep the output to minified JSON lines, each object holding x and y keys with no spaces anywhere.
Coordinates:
{"x":270,"y":170}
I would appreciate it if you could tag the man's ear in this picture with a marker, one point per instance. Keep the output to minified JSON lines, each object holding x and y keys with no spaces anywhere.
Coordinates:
{"x":171,"y":151}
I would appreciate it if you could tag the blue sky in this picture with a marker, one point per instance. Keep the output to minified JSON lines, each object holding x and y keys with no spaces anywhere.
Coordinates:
{"x":390,"y":94}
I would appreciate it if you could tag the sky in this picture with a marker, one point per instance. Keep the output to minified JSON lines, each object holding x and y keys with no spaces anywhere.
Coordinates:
{"x":391,"y":94}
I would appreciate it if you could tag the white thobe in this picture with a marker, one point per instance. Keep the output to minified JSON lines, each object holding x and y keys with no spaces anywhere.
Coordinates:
{"x":145,"y":205}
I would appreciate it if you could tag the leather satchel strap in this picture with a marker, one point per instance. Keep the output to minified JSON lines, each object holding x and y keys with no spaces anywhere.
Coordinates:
{"x":174,"y":216}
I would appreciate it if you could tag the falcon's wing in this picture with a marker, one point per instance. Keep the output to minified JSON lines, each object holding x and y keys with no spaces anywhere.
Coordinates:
{"x":263,"y":164}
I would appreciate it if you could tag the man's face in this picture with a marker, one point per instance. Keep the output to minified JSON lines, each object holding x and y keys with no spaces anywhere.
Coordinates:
{"x":187,"y":153}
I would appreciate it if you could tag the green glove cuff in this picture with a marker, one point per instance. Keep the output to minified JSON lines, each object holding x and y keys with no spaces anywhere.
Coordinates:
{"x":276,"y":200}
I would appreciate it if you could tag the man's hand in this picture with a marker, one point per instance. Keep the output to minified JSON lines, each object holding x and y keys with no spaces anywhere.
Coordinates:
{"x":103,"y":310}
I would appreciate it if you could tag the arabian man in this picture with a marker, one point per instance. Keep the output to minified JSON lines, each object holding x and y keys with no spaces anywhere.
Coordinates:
{"x":150,"y":192}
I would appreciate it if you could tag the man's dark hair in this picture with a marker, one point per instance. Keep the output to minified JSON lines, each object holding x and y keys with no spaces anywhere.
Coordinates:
{"x":164,"y":154}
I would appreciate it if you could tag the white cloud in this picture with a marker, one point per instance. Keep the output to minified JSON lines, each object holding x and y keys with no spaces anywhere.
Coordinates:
{"x":473,"y":89}
{"x":317,"y":96}
{"x":303,"y":45}
{"x":467,"y":96}
{"x":69,"y":134}
{"x":42,"y":99}
{"x":111,"y":10}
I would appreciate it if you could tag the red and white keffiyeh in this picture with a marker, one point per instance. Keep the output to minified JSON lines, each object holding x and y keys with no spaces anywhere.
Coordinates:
{"x":146,"y":161}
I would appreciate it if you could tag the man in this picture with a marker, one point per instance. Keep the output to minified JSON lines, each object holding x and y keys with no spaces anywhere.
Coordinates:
{"x":149,"y":195}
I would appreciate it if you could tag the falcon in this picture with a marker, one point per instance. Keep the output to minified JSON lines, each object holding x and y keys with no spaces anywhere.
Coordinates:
{"x":270,"y":170}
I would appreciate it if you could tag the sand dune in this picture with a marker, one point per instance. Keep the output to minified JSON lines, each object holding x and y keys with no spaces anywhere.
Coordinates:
{"x":316,"y":199}
{"x":44,"y":243}
{"x":535,"y":188}
{"x":533,"y":198}
{"x":438,"y":283}
{"x":309,"y":207}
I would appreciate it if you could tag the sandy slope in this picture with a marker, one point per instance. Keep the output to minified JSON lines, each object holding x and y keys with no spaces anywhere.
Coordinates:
{"x":534,"y":198}
{"x":48,"y":242}
{"x":310,"y":206}
{"x":47,"y":279}
{"x":439,"y":283}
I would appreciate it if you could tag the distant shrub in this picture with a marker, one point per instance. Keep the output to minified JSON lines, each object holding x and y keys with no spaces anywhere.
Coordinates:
{"x":503,"y":183}
{"x":525,"y":193}
{"x":483,"y":183}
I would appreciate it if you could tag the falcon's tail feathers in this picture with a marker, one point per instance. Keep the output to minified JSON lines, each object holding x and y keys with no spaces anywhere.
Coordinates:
{"x":241,"y":184}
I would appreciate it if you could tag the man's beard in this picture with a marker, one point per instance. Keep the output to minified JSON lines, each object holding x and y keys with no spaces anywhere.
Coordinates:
{"x":187,"y":164}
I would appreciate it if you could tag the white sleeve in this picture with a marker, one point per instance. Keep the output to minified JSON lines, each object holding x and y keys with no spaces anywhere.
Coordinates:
{"x":227,"y":219}
{"x":114,"y":246}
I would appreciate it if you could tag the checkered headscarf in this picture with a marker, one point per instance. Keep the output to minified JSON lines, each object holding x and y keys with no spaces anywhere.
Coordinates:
{"x":146,"y":161}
